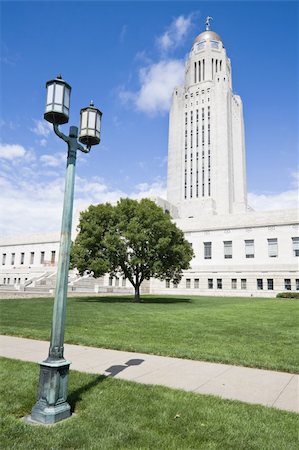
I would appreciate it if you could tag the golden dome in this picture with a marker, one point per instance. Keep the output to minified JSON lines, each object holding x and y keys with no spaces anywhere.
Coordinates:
{"x":208,"y":35}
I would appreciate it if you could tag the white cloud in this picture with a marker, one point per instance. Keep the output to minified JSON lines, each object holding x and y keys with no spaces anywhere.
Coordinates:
{"x":42,"y":128}
{"x":157,"y":84}
{"x":175,"y":33}
{"x":56,"y":160}
{"x":269,"y":202}
{"x":12,"y":151}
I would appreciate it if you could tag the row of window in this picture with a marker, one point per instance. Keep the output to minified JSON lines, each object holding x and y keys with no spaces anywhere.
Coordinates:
{"x":14,"y":280}
{"x":31,"y":258}
{"x":199,"y":69}
{"x":250,"y":249}
{"x":117,"y":281}
{"x":260,"y":283}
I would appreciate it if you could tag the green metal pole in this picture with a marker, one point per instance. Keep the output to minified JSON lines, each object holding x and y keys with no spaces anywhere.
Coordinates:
{"x":59,"y":310}
{"x":52,"y":405}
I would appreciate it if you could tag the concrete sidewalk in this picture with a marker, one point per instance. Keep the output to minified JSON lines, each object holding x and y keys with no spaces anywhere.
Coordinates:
{"x":264,"y":387}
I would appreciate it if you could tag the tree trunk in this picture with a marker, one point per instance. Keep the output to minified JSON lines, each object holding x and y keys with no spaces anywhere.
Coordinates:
{"x":137,"y":293}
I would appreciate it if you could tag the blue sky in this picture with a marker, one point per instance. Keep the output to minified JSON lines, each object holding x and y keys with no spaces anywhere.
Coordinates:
{"x":115,"y":53}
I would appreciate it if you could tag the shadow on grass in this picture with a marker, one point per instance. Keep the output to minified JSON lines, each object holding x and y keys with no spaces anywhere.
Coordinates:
{"x":75,"y":396}
{"x":120,"y":299}
{"x":112,"y":371}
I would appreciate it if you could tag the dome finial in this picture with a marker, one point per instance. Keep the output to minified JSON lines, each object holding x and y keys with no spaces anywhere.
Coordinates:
{"x":208,"y":20}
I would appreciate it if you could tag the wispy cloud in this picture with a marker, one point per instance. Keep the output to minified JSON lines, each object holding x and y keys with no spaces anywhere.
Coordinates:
{"x":12,"y":151}
{"x":158,"y":79}
{"x":157,"y":82}
{"x":55,"y":160}
{"x":175,"y":33}
{"x":41,"y":128}
{"x":123,"y":33}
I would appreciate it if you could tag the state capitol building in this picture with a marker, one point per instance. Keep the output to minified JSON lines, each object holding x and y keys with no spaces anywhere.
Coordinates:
{"x":237,"y":251}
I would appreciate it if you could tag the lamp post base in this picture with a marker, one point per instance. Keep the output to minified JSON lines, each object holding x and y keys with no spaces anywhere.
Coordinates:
{"x":51,"y":406}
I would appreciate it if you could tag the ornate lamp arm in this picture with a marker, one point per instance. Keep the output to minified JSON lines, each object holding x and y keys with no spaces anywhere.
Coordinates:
{"x":59,"y":133}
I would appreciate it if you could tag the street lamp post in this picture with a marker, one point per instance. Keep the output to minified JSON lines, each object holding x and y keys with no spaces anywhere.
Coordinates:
{"x":52,"y":405}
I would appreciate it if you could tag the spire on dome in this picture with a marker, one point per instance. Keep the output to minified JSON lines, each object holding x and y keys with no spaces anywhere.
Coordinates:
{"x":207,"y":22}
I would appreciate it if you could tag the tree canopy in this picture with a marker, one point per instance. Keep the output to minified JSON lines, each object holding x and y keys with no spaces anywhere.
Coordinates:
{"x":135,"y":239}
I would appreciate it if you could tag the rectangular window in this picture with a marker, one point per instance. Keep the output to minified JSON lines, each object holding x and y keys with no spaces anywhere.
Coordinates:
{"x":8,"y":280}
{"x":259,"y":284}
{"x":243,"y":283}
{"x":228,"y":249}
{"x":14,"y":281}
{"x":297,"y":284}
{"x":42,"y":257}
{"x":4,"y":280}
{"x":210,"y":283}
{"x":234,"y":283}
{"x":53,"y":253}
{"x":167,"y":284}
{"x":249,"y":248}
{"x":22,"y":258}
{"x":295,"y":246}
{"x":196,"y":283}
{"x":219,"y":283}
{"x":207,"y":250}
{"x":116,"y":281}
{"x":287,"y":284}
{"x":188,"y":282}
{"x":3,"y":259}
{"x":31,"y":257}
{"x":123,"y":282}
{"x":110,"y":281}
{"x":270,"y":284}
{"x":272,"y":248}
{"x":19,"y":280}
{"x":13,"y":256}
{"x":175,"y":285}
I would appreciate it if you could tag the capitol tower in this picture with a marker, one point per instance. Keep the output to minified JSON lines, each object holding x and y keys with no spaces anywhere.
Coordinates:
{"x":206,"y":149}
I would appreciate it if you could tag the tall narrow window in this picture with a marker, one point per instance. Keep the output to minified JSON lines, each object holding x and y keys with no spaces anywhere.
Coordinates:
{"x":243,"y":283}
{"x":53,"y":253}
{"x":220,"y":65}
{"x":287,"y":284}
{"x":249,"y":248}
{"x":295,"y":246}
{"x":259,"y":284}
{"x":110,"y":280}
{"x":123,"y":282}
{"x":199,"y":70}
{"x":212,"y":68}
{"x":196,"y":283}
{"x":207,"y":250}
{"x":272,"y":248}
{"x":270,"y":284}
{"x":32,"y":258}
{"x":3,"y":259}
{"x":22,"y":258}
{"x":297,"y":284}
{"x":167,"y":284}
{"x":210,"y":283}
{"x":219,"y":283}
{"x":234,"y":283}
{"x":188,"y":283}
{"x":216,"y":65}
{"x":195,"y":72}
{"x":42,"y":257}
{"x":203,"y":70}
{"x":228,"y":249}
{"x":13,"y":256}
{"x":116,"y":281}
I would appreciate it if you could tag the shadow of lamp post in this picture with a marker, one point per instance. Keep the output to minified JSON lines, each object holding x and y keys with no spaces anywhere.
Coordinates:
{"x":52,"y":405}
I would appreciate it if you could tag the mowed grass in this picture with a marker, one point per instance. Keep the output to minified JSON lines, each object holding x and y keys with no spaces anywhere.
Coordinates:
{"x":115,"y":414}
{"x":253,"y":332}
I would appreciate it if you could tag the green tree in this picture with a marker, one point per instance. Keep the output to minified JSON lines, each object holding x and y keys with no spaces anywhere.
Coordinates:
{"x":134,"y":238}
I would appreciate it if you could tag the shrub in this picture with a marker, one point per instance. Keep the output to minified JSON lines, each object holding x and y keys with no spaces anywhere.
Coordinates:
{"x":288,"y":294}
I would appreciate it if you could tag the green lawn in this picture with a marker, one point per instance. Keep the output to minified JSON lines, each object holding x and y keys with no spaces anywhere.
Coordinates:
{"x":244,"y":331}
{"x":115,"y":414}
